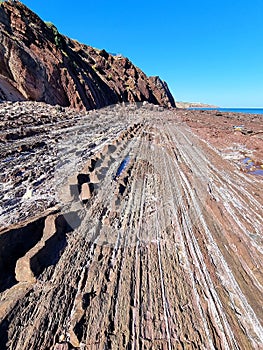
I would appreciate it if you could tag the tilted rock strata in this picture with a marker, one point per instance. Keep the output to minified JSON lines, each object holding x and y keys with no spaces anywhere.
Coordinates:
{"x":169,"y":256}
{"x":39,"y":142}
{"x":40,"y":64}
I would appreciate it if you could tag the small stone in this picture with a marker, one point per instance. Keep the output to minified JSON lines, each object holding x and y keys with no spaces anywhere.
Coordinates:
{"x":85,"y":192}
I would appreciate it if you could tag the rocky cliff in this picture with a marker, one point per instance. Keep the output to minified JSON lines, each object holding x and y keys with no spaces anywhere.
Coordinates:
{"x":38,"y":63}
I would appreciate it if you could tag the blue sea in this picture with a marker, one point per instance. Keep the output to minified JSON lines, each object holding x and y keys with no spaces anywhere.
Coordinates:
{"x":234,"y":110}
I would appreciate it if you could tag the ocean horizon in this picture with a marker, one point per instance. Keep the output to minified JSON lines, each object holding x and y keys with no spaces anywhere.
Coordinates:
{"x":233,"y":110}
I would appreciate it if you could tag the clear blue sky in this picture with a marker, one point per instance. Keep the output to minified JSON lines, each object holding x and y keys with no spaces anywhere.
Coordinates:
{"x":207,"y":50}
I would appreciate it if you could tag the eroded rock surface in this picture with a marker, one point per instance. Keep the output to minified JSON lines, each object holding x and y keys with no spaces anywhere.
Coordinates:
{"x":40,"y":64}
{"x":167,"y":256}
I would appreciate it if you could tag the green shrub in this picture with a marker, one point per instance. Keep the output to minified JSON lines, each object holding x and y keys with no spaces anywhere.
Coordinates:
{"x":49,"y":24}
{"x":57,"y":36}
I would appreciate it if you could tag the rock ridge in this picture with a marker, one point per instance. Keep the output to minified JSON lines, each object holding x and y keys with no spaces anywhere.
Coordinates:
{"x":38,"y":63}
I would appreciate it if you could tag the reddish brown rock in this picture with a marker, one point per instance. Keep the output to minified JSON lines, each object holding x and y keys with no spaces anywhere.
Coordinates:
{"x":23,"y":270}
{"x":38,"y":63}
{"x":167,"y":256}
{"x":85,"y":192}
{"x":62,"y":346}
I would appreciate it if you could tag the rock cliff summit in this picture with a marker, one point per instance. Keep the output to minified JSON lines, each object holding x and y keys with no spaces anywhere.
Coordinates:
{"x":40,"y":64}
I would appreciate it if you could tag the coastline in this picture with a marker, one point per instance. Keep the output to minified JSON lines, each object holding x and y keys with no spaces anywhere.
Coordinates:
{"x":229,"y":110}
{"x":236,"y":136}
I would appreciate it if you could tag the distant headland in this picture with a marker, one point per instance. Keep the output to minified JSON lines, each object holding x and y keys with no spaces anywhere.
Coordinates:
{"x":194,"y":105}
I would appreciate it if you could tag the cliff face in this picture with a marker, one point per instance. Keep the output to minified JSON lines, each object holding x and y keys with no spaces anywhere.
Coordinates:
{"x":40,"y":64}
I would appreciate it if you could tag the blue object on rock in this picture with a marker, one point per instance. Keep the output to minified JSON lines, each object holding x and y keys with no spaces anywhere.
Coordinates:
{"x":122,"y":167}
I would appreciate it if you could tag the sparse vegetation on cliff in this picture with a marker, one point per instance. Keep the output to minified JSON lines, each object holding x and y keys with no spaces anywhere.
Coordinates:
{"x":55,"y":67}
{"x":57,"y":36}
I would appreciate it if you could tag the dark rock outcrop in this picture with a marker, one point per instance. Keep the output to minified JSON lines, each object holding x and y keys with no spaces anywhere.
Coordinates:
{"x":38,"y":63}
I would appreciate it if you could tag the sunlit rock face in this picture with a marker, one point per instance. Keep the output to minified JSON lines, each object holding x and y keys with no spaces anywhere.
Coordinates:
{"x":38,"y":63}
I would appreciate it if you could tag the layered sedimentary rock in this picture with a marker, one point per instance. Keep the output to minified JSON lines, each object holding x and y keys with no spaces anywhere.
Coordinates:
{"x":166,"y":255}
{"x":38,"y":63}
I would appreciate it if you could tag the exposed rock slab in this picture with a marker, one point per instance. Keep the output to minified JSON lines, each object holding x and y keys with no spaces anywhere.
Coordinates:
{"x":169,"y":256}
